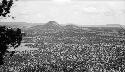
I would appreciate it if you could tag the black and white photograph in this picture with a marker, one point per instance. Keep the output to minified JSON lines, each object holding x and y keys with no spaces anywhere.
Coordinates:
{"x":62,"y":35}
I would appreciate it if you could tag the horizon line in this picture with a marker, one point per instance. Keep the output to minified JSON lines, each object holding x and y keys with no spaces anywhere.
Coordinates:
{"x":65,"y":24}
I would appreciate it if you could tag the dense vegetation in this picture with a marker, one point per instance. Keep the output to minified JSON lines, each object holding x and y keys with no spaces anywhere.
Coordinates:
{"x":71,"y":49}
{"x":62,"y":49}
{"x":8,"y":38}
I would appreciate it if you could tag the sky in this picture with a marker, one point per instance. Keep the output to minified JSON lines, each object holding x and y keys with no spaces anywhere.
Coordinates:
{"x":80,"y":12}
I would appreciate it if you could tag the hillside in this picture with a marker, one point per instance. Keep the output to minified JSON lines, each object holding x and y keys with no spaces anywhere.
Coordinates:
{"x":51,"y":25}
{"x":68,"y":48}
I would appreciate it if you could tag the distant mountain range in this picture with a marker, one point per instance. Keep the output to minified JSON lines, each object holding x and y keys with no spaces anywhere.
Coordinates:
{"x":113,"y":25}
{"x":16,"y":24}
{"x":51,"y":25}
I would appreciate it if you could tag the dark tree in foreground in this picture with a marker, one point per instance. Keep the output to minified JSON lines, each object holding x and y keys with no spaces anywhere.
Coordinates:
{"x":8,"y":38}
{"x":5,"y":6}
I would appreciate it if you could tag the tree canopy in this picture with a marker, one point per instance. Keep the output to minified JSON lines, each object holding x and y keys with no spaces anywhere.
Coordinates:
{"x":5,"y":7}
{"x":9,"y":37}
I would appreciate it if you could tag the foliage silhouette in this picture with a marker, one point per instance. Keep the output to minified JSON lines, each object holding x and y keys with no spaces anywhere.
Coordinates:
{"x":5,"y":7}
{"x":9,"y":38}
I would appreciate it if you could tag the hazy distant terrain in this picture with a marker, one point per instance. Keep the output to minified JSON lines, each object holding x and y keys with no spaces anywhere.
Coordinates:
{"x":51,"y":47}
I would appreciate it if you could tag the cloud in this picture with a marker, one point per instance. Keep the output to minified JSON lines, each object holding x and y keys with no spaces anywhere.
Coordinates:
{"x":84,"y":12}
{"x":95,"y":9}
{"x":90,"y":9}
